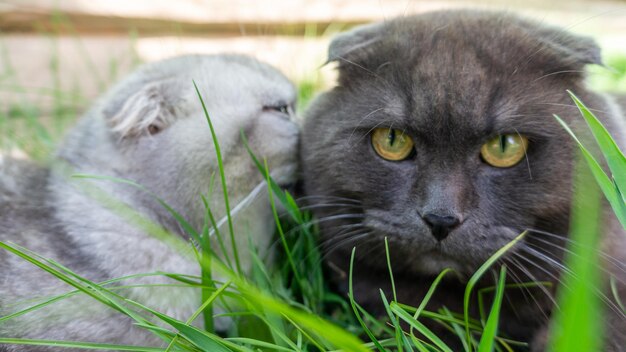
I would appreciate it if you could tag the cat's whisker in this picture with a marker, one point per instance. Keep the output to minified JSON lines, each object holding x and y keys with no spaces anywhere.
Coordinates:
{"x":507,"y":299}
{"x":511,"y":274}
{"x":340,"y":208}
{"x":516,"y":278}
{"x":326,"y":197}
{"x":553,"y":276}
{"x":549,"y":260}
{"x":549,"y":295}
{"x":343,"y":243}
{"x":340,"y":216}
{"x":330,"y":205}
{"x":525,"y":270}
{"x":600,"y":267}
{"x":616,"y":262}
{"x":372,"y":247}
{"x":348,"y":230}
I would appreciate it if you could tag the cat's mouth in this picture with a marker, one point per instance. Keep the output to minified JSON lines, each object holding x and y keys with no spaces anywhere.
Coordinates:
{"x":285,"y":175}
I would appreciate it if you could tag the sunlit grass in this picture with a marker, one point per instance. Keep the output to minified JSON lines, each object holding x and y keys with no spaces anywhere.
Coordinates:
{"x":288,"y":306}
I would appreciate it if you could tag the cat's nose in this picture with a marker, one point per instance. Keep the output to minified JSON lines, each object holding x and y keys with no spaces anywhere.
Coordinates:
{"x":441,"y":225}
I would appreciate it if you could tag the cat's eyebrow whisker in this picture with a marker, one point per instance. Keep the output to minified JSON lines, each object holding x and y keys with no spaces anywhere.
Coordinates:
{"x":556,"y":73}
{"x":363,"y":68}
{"x":363,"y":118}
{"x":383,"y":121}
{"x":572,"y":106}
{"x":530,"y":174}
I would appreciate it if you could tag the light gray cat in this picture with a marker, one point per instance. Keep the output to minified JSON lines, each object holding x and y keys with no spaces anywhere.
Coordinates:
{"x":150,"y":129}
{"x":440,"y":137}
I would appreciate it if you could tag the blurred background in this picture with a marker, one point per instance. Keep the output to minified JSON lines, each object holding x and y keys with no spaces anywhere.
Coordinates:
{"x":58,"y":56}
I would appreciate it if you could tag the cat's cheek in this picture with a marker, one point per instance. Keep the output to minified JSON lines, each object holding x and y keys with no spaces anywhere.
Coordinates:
{"x":540,"y":340}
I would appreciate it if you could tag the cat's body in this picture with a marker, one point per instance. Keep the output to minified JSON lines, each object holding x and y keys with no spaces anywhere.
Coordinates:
{"x":150,"y":129}
{"x":451,"y":81}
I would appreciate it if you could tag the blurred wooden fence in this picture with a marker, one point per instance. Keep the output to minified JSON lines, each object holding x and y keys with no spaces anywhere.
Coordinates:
{"x":81,"y":46}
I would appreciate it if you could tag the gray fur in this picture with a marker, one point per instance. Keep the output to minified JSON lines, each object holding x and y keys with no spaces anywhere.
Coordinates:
{"x":151,"y":129}
{"x":451,"y":80}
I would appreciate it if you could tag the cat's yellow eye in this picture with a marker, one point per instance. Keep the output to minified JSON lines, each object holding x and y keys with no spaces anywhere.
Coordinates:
{"x":391,"y":144}
{"x":504,"y":150}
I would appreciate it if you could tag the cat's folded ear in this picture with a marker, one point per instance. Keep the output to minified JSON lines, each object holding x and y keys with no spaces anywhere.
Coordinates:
{"x":145,"y":112}
{"x":353,"y":42}
{"x":569,"y":49}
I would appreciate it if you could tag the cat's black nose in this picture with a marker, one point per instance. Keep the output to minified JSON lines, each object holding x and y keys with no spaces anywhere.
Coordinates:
{"x":441,"y":225}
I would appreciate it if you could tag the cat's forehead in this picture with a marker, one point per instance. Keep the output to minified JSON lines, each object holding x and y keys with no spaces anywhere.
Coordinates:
{"x":243,"y":80}
{"x":445,"y":79}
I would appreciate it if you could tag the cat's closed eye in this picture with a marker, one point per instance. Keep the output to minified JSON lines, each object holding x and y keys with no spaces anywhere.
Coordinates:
{"x":505,"y":150}
{"x":280,"y":108}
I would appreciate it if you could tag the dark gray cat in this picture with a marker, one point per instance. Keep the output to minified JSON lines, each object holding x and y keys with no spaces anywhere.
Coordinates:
{"x":440,"y":136}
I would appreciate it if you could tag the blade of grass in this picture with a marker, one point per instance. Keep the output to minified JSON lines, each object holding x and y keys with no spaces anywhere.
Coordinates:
{"x":616,"y":296}
{"x":478,"y":274}
{"x":177,"y":216}
{"x":220,"y":163}
{"x":81,"y":345}
{"x":401,"y":340}
{"x":488,"y":337}
{"x":279,"y":227}
{"x":90,"y":288}
{"x":397,"y":327}
{"x":456,"y":327}
{"x":523,"y":285}
{"x":430,"y":292}
{"x":610,"y":190}
{"x":217,"y":233}
{"x":614,"y":157}
{"x":354,"y":308}
{"x":421,"y":328}
{"x":393,"y":283}
{"x":258,"y":343}
{"x":290,"y":205}
{"x":51,"y":300}
{"x":580,"y":305}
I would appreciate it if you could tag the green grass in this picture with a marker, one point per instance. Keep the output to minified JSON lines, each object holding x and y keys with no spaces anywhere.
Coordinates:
{"x":611,"y":78}
{"x":288,"y":306}
{"x":289,"y":302}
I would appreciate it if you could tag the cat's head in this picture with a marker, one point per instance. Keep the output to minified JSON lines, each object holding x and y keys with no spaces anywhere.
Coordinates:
{"x":151,"y":128}
{"x":440,"y":136}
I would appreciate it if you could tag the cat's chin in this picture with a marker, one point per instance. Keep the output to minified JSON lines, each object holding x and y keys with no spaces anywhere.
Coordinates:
{"x":434,"y":262}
